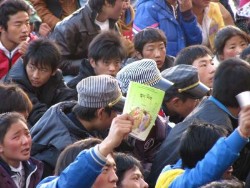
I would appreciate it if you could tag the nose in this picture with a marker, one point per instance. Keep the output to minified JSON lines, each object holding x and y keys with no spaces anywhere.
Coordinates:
{"x":24,"y":139}
{"x":35,"y":73}
{"x":211,"y":68}
{"x":143,"y":184}
{"x":157,"y":53}
{"x":25,"y":28}
{"x":112,"y":176}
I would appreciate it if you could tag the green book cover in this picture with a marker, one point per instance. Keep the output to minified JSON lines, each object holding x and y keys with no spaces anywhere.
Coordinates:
{"x":143,"y":102}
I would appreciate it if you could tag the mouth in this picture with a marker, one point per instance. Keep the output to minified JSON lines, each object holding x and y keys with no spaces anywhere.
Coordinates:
{"x":24,"y":38}
{"x":26,"y":151}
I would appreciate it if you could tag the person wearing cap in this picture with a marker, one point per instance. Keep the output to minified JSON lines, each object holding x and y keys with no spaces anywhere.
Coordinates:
{"x":184,"y":95}
{"x":145,"y":71}
{"x":99,"y":99}
{"x":202,"y":58}
{"x":220,"y":108}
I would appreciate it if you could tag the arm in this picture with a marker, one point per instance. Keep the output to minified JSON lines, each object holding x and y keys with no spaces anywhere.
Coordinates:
{"x":44,"y":13}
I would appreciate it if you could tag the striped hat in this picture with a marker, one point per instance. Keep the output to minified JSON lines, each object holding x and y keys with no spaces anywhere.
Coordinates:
{"x":144,"y":71}
{"x":99,"y":92}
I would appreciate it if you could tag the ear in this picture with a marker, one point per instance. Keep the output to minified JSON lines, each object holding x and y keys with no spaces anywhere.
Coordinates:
{"x":92,"y":62}
{"x":138,"y":55}
{"x":175,"y":102}
{"x":100,"y":113}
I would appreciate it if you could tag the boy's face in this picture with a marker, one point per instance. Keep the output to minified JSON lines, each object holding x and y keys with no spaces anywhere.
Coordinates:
{"x":108,"y":177}
{"x":155,"y":51}
{"x":17,"y":32}
{"x":115,"y":11}
{"x":233,"y":47}
{"x":16,"y":145}
{"x":37,"y":75}
{"x":206,"y":70}
{"x":109,"y":67}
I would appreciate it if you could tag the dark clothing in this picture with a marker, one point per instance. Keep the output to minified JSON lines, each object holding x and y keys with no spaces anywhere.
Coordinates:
{"x":73,"y":35}
{"x":169,"y":152}
{"x":42,"y":98}
{"x":86,"y":70}
{"x":57,"y":128}
{"x":33,"y":172}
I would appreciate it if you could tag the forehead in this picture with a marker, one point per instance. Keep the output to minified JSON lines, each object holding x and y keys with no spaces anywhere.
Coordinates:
{"x":38,"y":64}
{"x":16,"y":126}
{"x":110,"y":160}
{"x":152,"y":44}
{"x":20,"y":16}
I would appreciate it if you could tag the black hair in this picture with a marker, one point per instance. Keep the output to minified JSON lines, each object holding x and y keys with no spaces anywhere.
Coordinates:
{"x":197,"y":140}
{"x":148,"y":35}
{"x":97,"y":5}
{"x":6,"y":120}
{"x":70,"y":153}
{"x":189,"y":54}
{"x":245,"y":54}
{"x":230,"y":79}
{"x":9,"y":8}
{"x":13,"y":98}
{"x":105,"y":46}
{"x":43,"y":52}
{"x":234,"y":183}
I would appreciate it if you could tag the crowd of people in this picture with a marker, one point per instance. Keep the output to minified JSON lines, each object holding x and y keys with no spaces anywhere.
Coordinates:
{"x":65,"y":71}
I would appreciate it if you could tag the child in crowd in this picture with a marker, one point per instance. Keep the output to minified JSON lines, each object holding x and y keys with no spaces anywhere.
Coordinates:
{"x":229,"y":42}
{"x":17,"y":169}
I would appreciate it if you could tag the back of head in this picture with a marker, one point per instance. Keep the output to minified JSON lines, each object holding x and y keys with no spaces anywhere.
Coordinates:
{"x":148,"y":35}
{"x":189,"y":54}
{"x":197,"y":140}
{"x":125,"y":162}
{"x":234,"y":183}
{"x":231,"y":78}
{"x":70,"y":153}
{"x":105,"y":46}
{"x":43,"y":53}
{"x":6,"y":120}
{"x":13,"y":98}
{"x":9,"y":8}
{"x":224,"y":34}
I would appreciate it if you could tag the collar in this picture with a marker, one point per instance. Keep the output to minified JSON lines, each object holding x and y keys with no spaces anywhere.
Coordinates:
{"x":221,"y":106}
{"x":7,"y":52}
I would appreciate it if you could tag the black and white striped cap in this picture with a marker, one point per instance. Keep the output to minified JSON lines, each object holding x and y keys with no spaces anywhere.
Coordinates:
{"x":100,"y":91}
{"x":144,"y":71}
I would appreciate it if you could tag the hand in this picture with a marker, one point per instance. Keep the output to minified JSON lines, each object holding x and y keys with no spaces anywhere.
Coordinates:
{"x":44,"y":29}
{"x":185,"y":5}
{"x":121,"y":126}
{"x":23,"y":46}
{"x":244,"y":122}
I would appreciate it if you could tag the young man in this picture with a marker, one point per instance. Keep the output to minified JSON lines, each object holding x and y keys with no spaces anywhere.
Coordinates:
{"x":185,"y":94}
{"x":14,"y":33}
{"x":75,"y":33}
{"x":99,"y":99}
{"x":105,"y":54}
{"x":221,"y":108}
{"x":150,"y":43}
{"x":94,"y":167}
{"x":173,"y":17}
{"x":38,"y":76}
{"x":200,"y":57}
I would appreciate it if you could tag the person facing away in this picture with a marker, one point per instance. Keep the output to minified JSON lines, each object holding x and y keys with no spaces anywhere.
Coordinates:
{"x":74,"y":33}
{"x":174,"y":17}
{"x":129,"y":171}
{"x":220,"y":108}
{"x":17,"y":168}
{"x":150,"y":43}
{"x":200,"y":57}
{"x":14,"y":33}
{"x":94,"y":167}
{"x":99,"y":100}
{"x":38,"y":75}
{"x":105,"y":54}
{"x":205,"y":156}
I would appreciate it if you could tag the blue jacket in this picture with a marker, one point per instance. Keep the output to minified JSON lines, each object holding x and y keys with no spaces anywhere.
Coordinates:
{"x":157,"y":14}
{"x":212,"y":167}
{"x":81,"y":173}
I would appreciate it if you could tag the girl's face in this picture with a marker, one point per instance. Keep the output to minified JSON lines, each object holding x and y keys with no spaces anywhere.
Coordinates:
{"x":233,"y":47}
{"x":16,"y":144}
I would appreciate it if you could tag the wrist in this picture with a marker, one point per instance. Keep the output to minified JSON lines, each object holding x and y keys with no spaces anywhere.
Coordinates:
{"x":242,"y":133}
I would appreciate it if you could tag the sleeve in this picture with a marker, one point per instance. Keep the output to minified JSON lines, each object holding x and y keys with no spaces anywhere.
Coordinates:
{"x":87,"y":166}
{"x":44,"y":13}
{"x":213,"y":166}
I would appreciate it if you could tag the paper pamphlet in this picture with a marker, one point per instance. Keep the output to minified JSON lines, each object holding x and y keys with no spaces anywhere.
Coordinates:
{"x":143,"y":103}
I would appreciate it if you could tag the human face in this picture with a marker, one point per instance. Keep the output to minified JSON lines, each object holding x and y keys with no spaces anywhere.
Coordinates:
{"x":155,"y":51}
{"x":37,"y":75}
{"x":18,"y":30}
{"x":206,"y":70}
{"x":16,"y":144}
{"x":133,"y":179}
{"x":115,"y":11}
{"x":108,"y":177}
{"x":109,"y":67}
{"x":201,"y":3}
{"x":233,"y":47}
